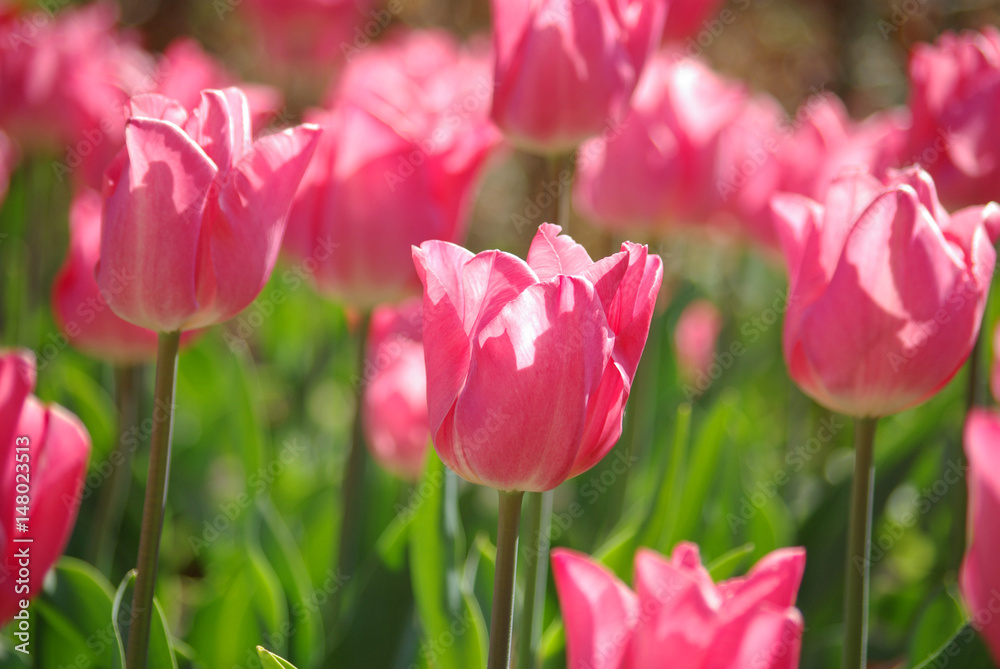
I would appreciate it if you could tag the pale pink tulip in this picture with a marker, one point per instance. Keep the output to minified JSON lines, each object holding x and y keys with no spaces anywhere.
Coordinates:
{"x":194,"y":212}
{"x":529,"y":364}
{"x":45,"y":448}
{"x":676,"y":611}
{"x":887,"y":290}
{"x":395,"y":390}
{"x":565,"y":70}
{"x":696,"y":336}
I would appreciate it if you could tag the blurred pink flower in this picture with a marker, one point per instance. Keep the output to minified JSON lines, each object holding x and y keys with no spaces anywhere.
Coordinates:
{"x":979,"y":578}
{"x":8,"y":161}
{"x":695,"y":338}
{"x":395,"y":391}
{"x":405,"y":141}
{"x":689,"y":17}
{"x":50,"y":445}
{"x":887,"y":290}
{"x":194,"y":211}
{"x":676,"y":611}
{"x":955,"y":101}
{"x":314,"y":34}
{"x":530,"y":363}
{"x":565,"y":70}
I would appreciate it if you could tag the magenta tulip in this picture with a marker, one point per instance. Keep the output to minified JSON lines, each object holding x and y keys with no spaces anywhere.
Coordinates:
{"x":695,"y":338}
{"x":395,"y":390}
{"x":677,"y":611}
{"x":45,"y":448}
{"x":887,"y":291}
{"x":980,"y":576}
{"x":529,"y":363}
{"x":194,"y":212}
{"x":566,"y":70}
{"x":954,"y":99}
{"x":402,"y":151}
{"x":691,"y":17}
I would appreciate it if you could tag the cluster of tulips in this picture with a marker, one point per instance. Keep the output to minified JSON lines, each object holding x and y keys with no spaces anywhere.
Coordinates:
{"x":518,"y":371}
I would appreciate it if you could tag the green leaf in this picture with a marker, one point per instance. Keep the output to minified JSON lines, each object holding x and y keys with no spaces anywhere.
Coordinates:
{"x":444,"y":600}
{"x":935,"y":626}
{"x":725,"y":565}
{"x":658,"y":528}
{"x":74,"y":618}
{"x":161,"y":652}
{"x":966,"y":647}
{"x":269,"y":660}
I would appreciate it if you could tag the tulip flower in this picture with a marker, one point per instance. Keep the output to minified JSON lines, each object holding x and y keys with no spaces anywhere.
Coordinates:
{"x":78,"y":305}
{"x":695,"y":338}
{"x":529,"y":363}
{"x":194,"y":212}
{"x":954,"y":98}
{"x":980,"y":576}
{"x":691,"y":17}
{"x":402,"y":149}
{"x":677,"y":611}
{"x":887,"y":290}
{"x":565,"y":70}
{"x":46,"y":449}
{"x":395,"y":392}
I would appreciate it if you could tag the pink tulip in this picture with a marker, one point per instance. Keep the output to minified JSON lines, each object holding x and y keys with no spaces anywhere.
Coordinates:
{"x":696,"y":336}
{"x":887,"y":290}
{"x":676,"y":611}
{"x":566,"y":70}
{"x":314,"y":34}
{"x":402,"y":150}
{"x":529,"y":364}
{"x":53,"y":467}
{"x":194,"y":212}
{"x":186,"y":70}
{"x":954,"y":99}
{"x":661,"y":168}
{"x":395,"y":392}
{"x":980,"y":577}
{"x":688,"y":17}
{"x":79,"y":307}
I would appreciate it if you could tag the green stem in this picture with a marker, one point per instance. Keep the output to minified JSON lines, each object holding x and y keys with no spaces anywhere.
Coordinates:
{"x":561,"y":205}
{"x":352,"y":489}
{"x":114,"y":492}
{"x":504,"y":583}
{"x":536,"y":532}
{"x":858,"y":547}
{"x":156,"y":499}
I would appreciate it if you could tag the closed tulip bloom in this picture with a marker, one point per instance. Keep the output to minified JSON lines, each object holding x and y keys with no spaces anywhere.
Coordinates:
{"x":887,"y":290}
{"x":566,"y":70}
{"x":676,"y":611}
{"x":954,"y":100}
{"x":395,"y":392}
{"x":980,"y":574}
{"x":54,"y":464}
{"x":696,"y":336}
{"x":529,"y":364}
{"x":403,"y":146}
{"x":194,"y":212}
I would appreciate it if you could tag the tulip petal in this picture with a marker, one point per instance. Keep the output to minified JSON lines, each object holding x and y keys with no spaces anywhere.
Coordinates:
{"x":254,"y":206}
{"x":796,"y":219}
{"x":152,"y":226}
{"x":211,"y":127}
{"x":604,"y":419}
{"x":979,"y":577}
{"x":762,"y":637}
{"x":551,"y":254}
{"x":519,"y":421}
{"x":632,"y":310}
{"x":599,"y":611}
{"x":17,"y":380}
{"x":160,"y":107}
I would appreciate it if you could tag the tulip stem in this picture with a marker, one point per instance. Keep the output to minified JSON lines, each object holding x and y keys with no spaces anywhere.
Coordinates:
{"x":352,"y":487}
{"x":858,"y":547}
{"x":504,"y":583}
{"x":564,"y":186}
{"x":156,"y":499}
{"x":537,"y":526}
{"x":114,"y":492}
